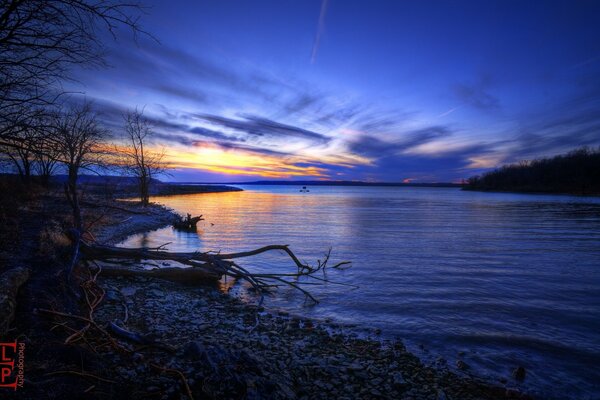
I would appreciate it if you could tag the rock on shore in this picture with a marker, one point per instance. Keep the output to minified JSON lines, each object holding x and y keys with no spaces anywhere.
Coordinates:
{"x":228,"y":349}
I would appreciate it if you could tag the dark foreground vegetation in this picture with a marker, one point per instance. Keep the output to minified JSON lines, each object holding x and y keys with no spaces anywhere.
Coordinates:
{"x":577,"y":172}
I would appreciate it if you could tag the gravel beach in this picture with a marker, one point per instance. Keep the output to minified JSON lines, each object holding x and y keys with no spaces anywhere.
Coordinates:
{"x":229,"y":349}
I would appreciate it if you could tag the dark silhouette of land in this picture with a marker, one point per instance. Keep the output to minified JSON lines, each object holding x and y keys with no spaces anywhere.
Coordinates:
{"x":577,"y":172}
{"x":336,"y":183}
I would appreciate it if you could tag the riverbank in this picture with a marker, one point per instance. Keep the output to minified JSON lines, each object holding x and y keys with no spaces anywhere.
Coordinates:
{"x":532,"y":191}
{"x":221,"y":347}
{"x":573,"y":173}
{"x":227,"y":348}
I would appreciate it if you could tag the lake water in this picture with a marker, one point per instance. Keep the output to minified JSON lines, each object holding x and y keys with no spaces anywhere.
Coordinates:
{"x":498,"y":280}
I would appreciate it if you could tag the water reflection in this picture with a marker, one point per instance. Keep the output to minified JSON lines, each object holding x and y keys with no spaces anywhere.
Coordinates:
{"x":508,"y":279}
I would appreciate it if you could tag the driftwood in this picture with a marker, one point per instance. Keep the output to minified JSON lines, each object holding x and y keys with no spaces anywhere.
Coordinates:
{"x":10,"y":282}
{"x":182,"y":275}
{"x":188,"y":223}
{"x":208,"y":266}
{"x":137,"y":338}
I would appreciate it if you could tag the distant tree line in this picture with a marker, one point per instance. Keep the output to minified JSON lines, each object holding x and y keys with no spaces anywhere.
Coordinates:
{"x":577,"y":172}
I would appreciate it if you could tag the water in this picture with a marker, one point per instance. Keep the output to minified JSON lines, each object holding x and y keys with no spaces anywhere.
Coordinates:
{"x":508,"y":279}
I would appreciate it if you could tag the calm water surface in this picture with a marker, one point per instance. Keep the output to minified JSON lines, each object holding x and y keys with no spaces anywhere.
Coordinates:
{"x":508,"y":279}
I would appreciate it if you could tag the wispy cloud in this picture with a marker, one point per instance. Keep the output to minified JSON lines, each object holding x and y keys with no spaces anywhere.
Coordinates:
{"x":450,"y":111}
{"x":478,"y":94}
{"x":320,"y":30}
{"x":372,"y":146}
{"x":259,"y":126}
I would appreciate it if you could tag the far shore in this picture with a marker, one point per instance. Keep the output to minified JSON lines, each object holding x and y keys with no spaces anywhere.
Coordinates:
{"x":533,"y":192}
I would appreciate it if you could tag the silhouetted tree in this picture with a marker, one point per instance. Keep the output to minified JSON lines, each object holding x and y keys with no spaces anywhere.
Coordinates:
{"x":575,"y":172}
{"x":47,"y":156}
{"x":136,"y":158}
{"x":40,"y":41}
{"x":79,"y":142}
{"x":20,"y":150}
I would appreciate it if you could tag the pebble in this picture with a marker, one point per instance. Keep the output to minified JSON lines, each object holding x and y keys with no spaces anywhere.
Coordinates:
{"x":279,"y":359}
{"x":128,"y":291}
{"x":461,"y":365}
{"x":398,"y":379}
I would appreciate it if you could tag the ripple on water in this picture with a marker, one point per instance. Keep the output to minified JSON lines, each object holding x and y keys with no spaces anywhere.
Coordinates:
{"x":503,"y":279}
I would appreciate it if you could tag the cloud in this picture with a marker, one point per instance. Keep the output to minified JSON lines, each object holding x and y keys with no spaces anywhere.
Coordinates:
{"x":320,"y":30}
{"x":209,"y":133}
{"x":259,"y":126}
{"x":570,"y":123}
{"x":477,"y":94}
{"x":237,"y":146}
{"x":302,"y":102}
{"x":372,"y":146}
{"x":182,"y":92}
{"x":166,"y":129}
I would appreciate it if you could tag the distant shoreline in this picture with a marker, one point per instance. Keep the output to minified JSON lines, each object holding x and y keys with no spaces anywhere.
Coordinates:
{"x":534,"y":192}
{"x":170,"y":189}
{"x":325,"y":183}
{"x":576,"y":173}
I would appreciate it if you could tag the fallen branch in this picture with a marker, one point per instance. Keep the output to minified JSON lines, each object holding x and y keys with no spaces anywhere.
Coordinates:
{"x":82,"y":374}
{"x":138,"y":338}
{"x":188,"y":223}
{"x":208,"y":266}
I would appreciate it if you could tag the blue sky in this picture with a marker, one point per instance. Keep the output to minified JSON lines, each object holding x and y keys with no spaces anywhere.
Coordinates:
{"x":357,"y":90}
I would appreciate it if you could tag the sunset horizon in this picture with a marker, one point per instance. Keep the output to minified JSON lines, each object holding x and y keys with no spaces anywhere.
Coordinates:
{"x":300,"y":199}
{"x":350,"y":91}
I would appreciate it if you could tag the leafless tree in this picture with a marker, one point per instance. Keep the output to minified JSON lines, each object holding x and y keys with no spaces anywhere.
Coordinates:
{"x":80,"y":143}
{"x":41,"y":40}
{"x":25,"y":143}
{"x":47,"y":156}
{"x":20,"y":150}
{"x":135,"y":157}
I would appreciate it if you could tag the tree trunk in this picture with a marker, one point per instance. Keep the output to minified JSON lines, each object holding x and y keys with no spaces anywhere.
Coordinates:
{"x":190,"y":275}
{"x":74,"y":198}
{"x":144,"y":191}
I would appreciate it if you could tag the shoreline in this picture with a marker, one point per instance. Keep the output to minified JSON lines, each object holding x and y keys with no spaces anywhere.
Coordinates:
{"x":162,"y":309}
{"x":533,"y":192}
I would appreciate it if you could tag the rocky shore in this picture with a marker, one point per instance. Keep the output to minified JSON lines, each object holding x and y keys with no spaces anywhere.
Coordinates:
{"x":228,"y":349}
{"x":200,"y":342}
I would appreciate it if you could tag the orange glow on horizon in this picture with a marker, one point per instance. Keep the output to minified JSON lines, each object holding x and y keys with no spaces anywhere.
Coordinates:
{"x":212,"y":157}
{"x":240,"y":162}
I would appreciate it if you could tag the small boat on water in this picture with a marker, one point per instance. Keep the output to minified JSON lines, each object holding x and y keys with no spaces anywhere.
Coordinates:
{"x":304,"y":189}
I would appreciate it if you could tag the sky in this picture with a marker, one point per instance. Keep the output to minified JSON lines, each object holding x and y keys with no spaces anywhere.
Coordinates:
{"x":372,"y":90}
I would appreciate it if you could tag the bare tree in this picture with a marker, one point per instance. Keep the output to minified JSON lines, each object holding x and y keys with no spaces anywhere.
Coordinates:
{"x":79,"y":142}
{"x":136,"y":158}
{"x":20,"y":150}
{"x":41,"y":40}
{"x":25,"y":142}
{"x":47,"y":156}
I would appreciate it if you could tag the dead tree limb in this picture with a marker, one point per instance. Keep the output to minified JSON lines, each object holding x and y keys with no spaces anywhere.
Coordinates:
{"x":188,"y":223}
{"x":182,"y":275}
{"x":209,"y":266}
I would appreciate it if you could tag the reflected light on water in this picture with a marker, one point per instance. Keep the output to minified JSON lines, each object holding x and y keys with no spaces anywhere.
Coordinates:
{"x":509,"y":279}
